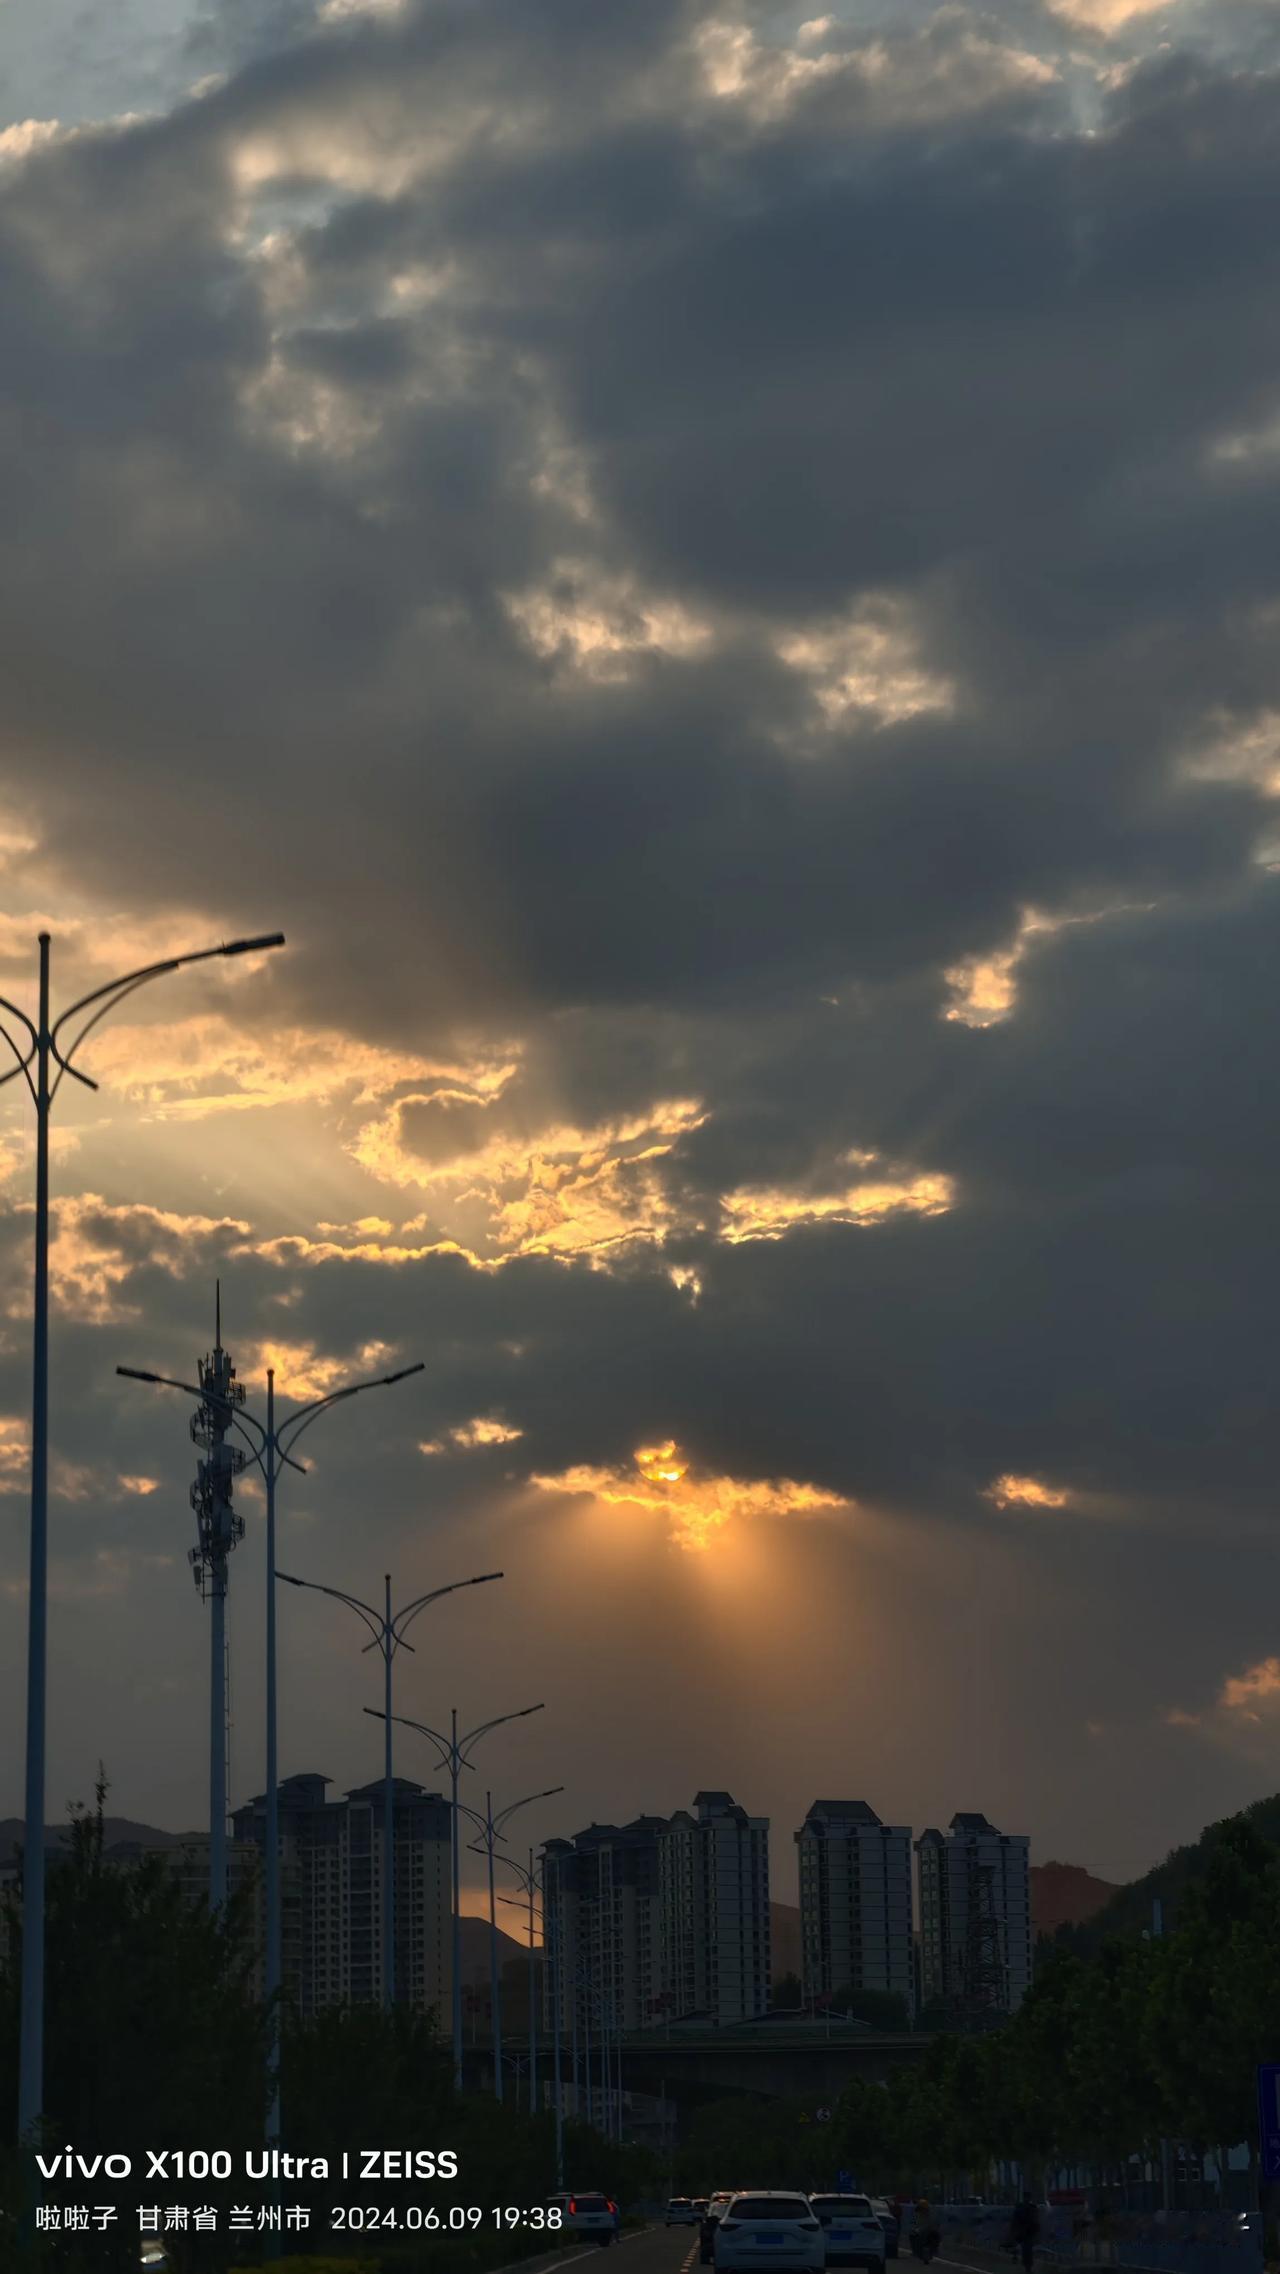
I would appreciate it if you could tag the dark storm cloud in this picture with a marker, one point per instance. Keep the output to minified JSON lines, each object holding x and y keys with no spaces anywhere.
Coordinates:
{"x":795,"y":365}
{"x":309,"y":386}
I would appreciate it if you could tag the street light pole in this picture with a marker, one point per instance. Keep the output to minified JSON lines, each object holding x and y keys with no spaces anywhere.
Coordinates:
{"x":387,"y":1634}
{"x":528,"y":1879}
{"x":271,"y":1449}
{"x":42,"y":1048}
{"x":491,"y":1827}
{"x":454,"y":1756}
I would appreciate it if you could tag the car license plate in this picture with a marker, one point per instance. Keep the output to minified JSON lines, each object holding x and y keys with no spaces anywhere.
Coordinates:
{"x":763,"y":2234}
{"x":842,"y":2234}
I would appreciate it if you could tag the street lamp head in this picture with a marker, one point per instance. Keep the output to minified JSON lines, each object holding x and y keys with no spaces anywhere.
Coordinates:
{"x":288,"y":1577}
{"x":250,"y":947}
{"x":403,"y":1375}
{"x":135,"y":1374}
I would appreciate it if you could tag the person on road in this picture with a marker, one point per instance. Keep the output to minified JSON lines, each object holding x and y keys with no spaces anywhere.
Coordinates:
{"x":924,"y":2233}
{"x":1026,"y":2232}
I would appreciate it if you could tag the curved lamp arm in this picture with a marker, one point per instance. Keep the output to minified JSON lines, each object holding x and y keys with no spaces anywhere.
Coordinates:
{"x":444,"y":1743}
{"x":23,"y":1065}
{"x":411,"y":1610}
{"x":115,"y":991}
{"x":306,"y":1414}
{"x":504,"y":1815}
{"x":372,"y":1618}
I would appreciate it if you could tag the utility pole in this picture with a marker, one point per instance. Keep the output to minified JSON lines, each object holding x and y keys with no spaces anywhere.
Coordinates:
{"x":271,"y":1449}
{"x":219,"y":1530}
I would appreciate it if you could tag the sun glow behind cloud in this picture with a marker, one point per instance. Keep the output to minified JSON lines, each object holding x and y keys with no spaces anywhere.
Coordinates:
{"x":1025,"y":1492}
{"x":696,"y":1506}
{"x":764,"y":1212}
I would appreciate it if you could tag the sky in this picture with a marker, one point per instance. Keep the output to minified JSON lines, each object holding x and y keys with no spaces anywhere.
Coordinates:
{"x":715,"y":570}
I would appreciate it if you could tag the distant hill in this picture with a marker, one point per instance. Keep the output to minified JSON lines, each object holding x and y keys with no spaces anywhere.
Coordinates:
{"x":1065,"y":1895}
{"x":121,"y":1830}
{"x":115,"y":1829}
{"x":474,"y":1936}
{"x":1129,"y":1910}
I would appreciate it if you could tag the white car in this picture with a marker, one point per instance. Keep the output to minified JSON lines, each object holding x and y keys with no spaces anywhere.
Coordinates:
{"x":852,"y":2233}
{"x":768,"y":2228}
{"x":681,"y":2212}
{"x":593,"y":2216}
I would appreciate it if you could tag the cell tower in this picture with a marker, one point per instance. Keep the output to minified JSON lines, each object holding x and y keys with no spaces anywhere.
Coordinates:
{"x":218,"y":1529}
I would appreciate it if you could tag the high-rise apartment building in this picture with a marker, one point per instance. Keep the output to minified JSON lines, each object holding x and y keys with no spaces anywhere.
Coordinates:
{"x":975,"y":1917}
{"x":659,"y":1918}
{"x":331,"y":1862}
{"x":601,"y":1893}
{"x":713,"y":1882}
{"x":855,"y":1902}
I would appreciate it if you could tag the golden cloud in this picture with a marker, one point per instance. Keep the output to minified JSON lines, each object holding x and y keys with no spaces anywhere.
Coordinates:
{"x":1106,"y":16}
{"x":207,"y":1064}
{"x":484,"y":1432}
{"x":561,"y":1190}
{"x":96,"y":1246}
{"x":1242,"y":1694}
{"x":868,"y":665}
{"x":696,"y":1506}
{"x":1025,"y":1492}
{"x":766,"y":80}
{"x":303,"y":1373}
{"x":599,"y":626}
{"x":763,"y":1212}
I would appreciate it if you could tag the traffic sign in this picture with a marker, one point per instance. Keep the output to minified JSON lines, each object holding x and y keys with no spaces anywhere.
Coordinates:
{"x":844,"y":2183}
{"x":1269,"y":2118}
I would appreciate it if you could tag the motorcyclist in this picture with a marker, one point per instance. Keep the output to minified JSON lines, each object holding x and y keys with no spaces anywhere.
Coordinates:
{"x":924,"y":2231}
{"x":1025,"y":2232}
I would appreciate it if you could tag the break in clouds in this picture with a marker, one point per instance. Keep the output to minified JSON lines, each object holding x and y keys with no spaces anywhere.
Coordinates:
{"x":717,"y":574}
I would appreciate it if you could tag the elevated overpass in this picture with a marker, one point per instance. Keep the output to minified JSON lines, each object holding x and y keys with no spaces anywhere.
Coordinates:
{"x":777,"y":2062}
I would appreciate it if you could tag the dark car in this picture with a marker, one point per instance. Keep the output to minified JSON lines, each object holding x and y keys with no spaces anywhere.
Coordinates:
{"x":710,"y":2221}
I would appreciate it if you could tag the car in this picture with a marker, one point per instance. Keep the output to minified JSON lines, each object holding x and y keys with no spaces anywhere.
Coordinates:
{"x":701,"y":2204}
{"x":891,"y":2223}
{"x":594,"y":2216}
{"x":710,"y":2221}
{"x":681,"y":2212}
{"x":853,"y":2233}
{"x":770,"y":2227}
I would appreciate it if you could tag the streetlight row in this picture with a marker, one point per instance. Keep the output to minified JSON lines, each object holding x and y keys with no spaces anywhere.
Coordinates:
{"x":42,"y":1057}
{"x":43,"y":1049}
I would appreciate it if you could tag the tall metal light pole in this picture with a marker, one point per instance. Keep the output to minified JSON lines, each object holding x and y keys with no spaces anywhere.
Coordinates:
{"x":529,"y":1881}
{"x":43,"y":1048}
{"x":455,"y":1757}
{"x":491,"y":1826}
{"x":271,"y":1449}
{"x":387,"y":1632}
{"x":555,"y":1918}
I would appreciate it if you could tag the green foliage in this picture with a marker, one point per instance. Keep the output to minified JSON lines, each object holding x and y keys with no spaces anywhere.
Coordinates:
{"x":1113,"y":2048}
{"x":1129,"y":1911}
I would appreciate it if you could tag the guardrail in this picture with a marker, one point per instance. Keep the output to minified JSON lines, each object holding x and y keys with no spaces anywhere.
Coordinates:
{"x":1063,"y":2242}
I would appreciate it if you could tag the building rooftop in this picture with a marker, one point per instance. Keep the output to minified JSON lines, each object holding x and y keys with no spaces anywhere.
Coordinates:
{"x":844,"y":1812}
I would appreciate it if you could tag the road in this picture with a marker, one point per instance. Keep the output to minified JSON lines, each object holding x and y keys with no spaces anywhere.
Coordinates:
{"x":648,"y":2250}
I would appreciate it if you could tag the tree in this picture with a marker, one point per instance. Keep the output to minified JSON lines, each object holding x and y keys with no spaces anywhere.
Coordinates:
{"x":154,"y":2038}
